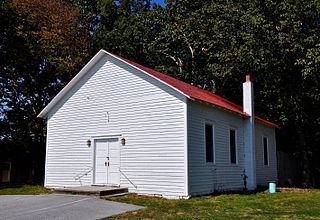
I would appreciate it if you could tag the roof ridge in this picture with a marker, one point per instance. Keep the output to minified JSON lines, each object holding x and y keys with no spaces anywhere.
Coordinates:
{"x":184,"y":88}
{"x":178,"y":84}
{"x":168,"y":76}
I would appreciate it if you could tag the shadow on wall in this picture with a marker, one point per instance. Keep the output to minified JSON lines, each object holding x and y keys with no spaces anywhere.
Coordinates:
{"x":79,"y":176}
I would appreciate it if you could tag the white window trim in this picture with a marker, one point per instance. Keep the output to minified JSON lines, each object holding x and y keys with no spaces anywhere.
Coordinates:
{"x":268,"y":150}
{"x":236,"y":142}
{"x":209,"y":122}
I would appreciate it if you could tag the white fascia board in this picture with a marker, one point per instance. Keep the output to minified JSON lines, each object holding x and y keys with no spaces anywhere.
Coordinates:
{"x":67,"y":88}
{"x":83,"y":71}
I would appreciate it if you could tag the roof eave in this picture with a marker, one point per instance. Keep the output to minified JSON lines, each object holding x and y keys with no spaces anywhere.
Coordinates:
{"x":220,"y":107}
{"x":270,"y":124}
{"x":243,"y":115}
{"x":137,"y":68}
{"x":44,"y":113}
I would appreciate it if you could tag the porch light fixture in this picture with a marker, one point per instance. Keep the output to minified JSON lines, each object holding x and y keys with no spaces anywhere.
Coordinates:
{"x":123,"y":141}
{"x":88,"y":142}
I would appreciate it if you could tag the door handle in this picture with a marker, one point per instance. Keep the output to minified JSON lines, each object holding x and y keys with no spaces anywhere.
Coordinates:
{"x":106,"y":164}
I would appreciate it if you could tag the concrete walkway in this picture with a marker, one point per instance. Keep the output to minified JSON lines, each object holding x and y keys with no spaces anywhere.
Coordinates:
{"x":59,"y":206}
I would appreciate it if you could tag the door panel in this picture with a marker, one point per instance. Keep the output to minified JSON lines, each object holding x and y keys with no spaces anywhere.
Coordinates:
{"x":107,"y":162}
{"x":114,"y":162}
{"x":101,"y":153}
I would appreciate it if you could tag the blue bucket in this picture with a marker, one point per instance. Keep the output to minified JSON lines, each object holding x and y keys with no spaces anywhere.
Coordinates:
{"x":272,"y":187}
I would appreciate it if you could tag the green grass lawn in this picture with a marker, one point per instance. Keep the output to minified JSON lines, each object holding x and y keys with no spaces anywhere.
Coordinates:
{"x":23,"y":190}
{"x":284,"y":205}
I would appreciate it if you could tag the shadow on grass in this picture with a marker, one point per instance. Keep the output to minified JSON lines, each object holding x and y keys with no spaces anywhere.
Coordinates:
{"x":23,"y":189}
{"x":18,"y":185}
{"x":260,"y":189}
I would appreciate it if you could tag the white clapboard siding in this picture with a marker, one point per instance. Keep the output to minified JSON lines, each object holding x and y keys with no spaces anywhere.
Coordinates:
{"x":115,"y":99}
{"x":204,"y":177}
{"x":265,"y":174}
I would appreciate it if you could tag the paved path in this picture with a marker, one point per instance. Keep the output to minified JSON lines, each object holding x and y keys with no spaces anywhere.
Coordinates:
{"x":59,"y":206}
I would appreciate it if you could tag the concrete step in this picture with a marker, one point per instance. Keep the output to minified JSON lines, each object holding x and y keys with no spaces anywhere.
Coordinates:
{"x":115,"y":195}
{"x":114,"y":192}
{"x":93,"y":190}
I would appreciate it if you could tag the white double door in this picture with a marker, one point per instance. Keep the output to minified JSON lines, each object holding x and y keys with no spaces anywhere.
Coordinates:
{"x":107,"y":162}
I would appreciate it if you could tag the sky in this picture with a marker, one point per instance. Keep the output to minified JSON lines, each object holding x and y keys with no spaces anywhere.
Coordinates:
{"x":159,"y":2}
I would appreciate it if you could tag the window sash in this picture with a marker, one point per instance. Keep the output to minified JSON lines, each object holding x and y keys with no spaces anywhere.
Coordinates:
{"x":209,"y":143}
{"x":233,"y":147}
{"x":265,"y":152}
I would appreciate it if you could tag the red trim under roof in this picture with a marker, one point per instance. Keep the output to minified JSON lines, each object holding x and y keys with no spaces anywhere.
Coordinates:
{"x":194,"y":92}
{"x":267,"y":122}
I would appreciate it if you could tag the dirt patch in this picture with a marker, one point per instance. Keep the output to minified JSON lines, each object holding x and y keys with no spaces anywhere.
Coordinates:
{"x":287,"y":189}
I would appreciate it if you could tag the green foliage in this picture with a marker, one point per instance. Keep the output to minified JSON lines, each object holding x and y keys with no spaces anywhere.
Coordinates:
{"x":42,"y":46}
{"x":211,"y":44}
{"x":122,"y":28}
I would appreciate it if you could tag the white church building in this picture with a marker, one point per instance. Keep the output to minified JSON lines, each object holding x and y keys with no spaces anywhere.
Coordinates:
{"x":119,"y":123}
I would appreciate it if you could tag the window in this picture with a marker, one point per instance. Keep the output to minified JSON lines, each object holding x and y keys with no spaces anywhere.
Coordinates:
{"x":265,"y":152}
{"x":209,"y":143}
{"x":233,"y":147}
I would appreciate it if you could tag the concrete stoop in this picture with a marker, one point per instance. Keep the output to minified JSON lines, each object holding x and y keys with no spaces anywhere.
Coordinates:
{"x":94,"y":190}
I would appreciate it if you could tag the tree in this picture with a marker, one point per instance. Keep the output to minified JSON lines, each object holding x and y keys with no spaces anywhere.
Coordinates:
{"x":209,"y":43}
{"x":123,"y":28}
{"x":297,"y":25}
{"x":42,"y":46}
{"x":213,"y":44}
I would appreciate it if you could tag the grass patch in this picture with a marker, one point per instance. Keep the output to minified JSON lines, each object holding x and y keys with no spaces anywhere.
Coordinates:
{"x":285,"y":205}
{"x":24,"y":190}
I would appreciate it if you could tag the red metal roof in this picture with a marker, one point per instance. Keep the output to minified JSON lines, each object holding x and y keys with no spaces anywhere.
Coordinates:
{"x":194,"y":92}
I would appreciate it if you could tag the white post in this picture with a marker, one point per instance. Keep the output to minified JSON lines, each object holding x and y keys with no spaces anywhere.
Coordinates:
{"x":249,"y":142}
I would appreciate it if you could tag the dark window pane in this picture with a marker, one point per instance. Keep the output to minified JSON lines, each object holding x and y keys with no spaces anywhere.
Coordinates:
{"x":265,"y":151}
{"x":233,"y":153}
{"x":209,"y":143}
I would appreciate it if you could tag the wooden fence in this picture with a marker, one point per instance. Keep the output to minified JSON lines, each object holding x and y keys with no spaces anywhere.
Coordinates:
{"x":288,"y":170}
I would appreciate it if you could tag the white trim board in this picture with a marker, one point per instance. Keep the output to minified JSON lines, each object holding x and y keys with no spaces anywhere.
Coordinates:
{"x":83,"y":72}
